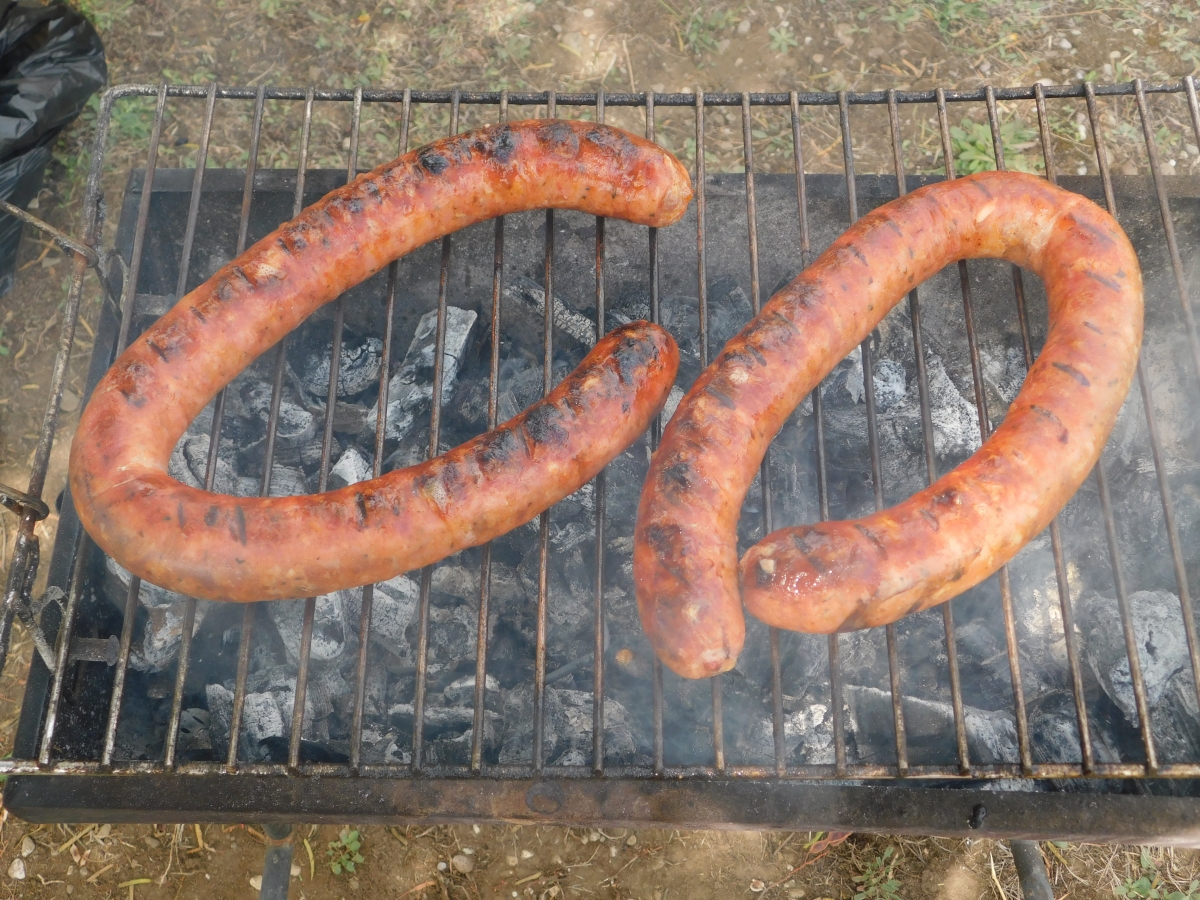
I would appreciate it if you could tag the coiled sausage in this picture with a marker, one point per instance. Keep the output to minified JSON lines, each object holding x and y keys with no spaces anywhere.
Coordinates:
{"x":230,"y":548}
{"x":837,"y":576}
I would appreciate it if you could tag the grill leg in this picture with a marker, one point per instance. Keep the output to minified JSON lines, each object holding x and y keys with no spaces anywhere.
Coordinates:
{"x":277,"y":867}
{"x":1031,"y":870}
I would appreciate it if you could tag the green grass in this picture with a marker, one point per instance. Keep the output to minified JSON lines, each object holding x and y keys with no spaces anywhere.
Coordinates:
{"x":1150,"y":885}
{"x":974,"y":152}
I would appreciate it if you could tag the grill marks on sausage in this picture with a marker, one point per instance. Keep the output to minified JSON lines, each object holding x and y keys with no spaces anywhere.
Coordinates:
{"x":434,"y":162}
{"x":1073,"y":372}
{"x":1049,"y":415}
{"x":1107,"y":282}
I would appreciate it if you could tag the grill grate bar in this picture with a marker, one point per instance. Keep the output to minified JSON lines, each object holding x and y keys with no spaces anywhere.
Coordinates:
{"x":538,"y":98}
{"x":600,"y":489}
{"x":485,"y":576}
{"x":873,"y":448}
{"x":655,"y":434}
{"x":1060,"y":569}
{"x":435,"y":435}
{"x":985,"y":429}
{"x":539,"y":664}
{"x":914,"y":313}
{"x":135,"y":583}
{"x":1110,"y":528}
{"x":210,"y":466}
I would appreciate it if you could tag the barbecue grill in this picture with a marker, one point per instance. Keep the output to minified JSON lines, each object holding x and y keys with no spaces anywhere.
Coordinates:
{"x":1059,"y":699}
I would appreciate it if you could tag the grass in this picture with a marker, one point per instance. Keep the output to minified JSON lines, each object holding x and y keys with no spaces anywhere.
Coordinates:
{"x":1150,"y":884}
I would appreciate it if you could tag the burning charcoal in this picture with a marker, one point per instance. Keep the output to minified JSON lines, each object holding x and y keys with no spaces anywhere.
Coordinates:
{"x":149,"y":595}
{"x":357,"y":371}
{"x":929,"y":725}
{"x":462,"y":691}
{"x":1054,"y":732}
{"x":1161,"y":645}
{"x":194,"y":740}
{"x":808,"y":737}
{"x":288,"y":482}
{"x":410,"y":390}
{"x":567,"y":728}
{"x":189,"y":460}
{"x":330,"y":626}
{"x":352,"y":467}
{"x":523,"y":308}
{"x":162,"y":636}
{"x":393,"y":610}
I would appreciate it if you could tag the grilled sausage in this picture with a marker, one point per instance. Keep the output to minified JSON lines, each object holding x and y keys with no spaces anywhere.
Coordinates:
{"x":838,"y":576}
{"x":229,"y":548}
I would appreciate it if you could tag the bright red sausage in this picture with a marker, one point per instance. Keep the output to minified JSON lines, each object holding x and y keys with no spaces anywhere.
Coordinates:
{"x":836,"y":576}
{"x":230,"y":548}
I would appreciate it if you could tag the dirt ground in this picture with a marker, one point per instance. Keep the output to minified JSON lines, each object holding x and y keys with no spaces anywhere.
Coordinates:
{"x":666,"y":45}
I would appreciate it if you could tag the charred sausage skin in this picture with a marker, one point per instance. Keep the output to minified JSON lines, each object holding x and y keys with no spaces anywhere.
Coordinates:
{"x":229,"y":548}
{"x":837,"y":576}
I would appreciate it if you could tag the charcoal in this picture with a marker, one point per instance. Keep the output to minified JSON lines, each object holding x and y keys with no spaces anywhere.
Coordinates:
{"x":162,"y":636}
{"x":393,"y":610}
{"x":219,"y":700}
{"x":288,"y":482}
{"x":149,"y":595}
{"x":462,"y":691}
{"x":194,"y":740}
{"x":523,"y":311}
{"x":352,"y":467}
{"x":295,"y":427}
{"x":410,"y":390}
{"x":567,"y":728}
{"x":929,"y":725}
{"x":358,"y":370}
{"x":1054,"y":732}
{"x":808,"y":737}
{"x":1161,"y":645}
{"x":456,"y":582}
{"x":332,"y":625}
{"x":519,"y":387}
{"x":189,"y":461}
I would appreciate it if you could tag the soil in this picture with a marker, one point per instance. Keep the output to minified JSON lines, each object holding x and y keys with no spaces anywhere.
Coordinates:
{"x":671,"y":45}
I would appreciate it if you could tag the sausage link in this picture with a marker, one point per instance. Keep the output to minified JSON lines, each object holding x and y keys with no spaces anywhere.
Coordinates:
{"x":229,"y":548}
{"x":837,"y":576}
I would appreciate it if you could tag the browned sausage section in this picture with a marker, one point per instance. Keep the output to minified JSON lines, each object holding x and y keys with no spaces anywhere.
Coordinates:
{"x":229,"y":548}
{"x":844,"y":575}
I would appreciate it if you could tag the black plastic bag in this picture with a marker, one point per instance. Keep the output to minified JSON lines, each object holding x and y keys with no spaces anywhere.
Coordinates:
{"x":51,"y":62}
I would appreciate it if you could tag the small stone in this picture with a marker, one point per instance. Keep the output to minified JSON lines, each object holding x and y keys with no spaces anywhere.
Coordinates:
{"x":526,"y":854}
{"x":151,"y":842}
{"x":70,"y":889}
{"x":1064,"y":44}
{"x":511,"y":860}
{"x":256,"y":882}
{"x":1081,"y":170}
{"x":69,"y":402}
{"x":588,"y":13}
{"x":594,"y":836}
{"x":17,"y":869}
{"x":757,"y":885}
{"x":818,"y":58}
{"x":442,"y":867}
{"x":463,"y":863}
{"x":612,"y":851}
{"x":83,"y":871}
{"x":103,"y":831}
{"x":475,"y":829}
{"x":743,"y":26}
{"x":470,"y":851}
{"x":631,"y":841}
{"x":354,"y":884}
{"x":796,"y":894}
{"x":295,"y":871}
{"x":27,"y":846}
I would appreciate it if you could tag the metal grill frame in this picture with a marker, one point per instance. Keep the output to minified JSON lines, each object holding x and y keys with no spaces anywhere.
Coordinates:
{"x":43,"y":787}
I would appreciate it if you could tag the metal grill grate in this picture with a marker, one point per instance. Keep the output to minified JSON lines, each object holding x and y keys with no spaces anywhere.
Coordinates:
{"x":658,"y":788}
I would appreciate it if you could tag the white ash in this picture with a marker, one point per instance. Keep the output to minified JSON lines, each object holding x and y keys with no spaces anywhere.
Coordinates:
{"x":567,"y":728}
{"x":295,"y":426}
{"x":149,"y":595}
{"x":332,"y":624}
{"x":410,"y":390}
{"x":672,"y":403}
{"x":462,"y":691}
{"x":807,"y":732}
{"x":189,"y":461}
{"x":162,"y":636}
{"x":393,"y":610}
{"x":1161,"y":645}
{"x":353,"y":467}
{"x":991,"y":736}
{"x":1003,"y":371}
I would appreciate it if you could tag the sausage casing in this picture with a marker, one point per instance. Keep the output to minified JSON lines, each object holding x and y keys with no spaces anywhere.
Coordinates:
{"x":836,"y":576}
{"x":229,"y":548}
